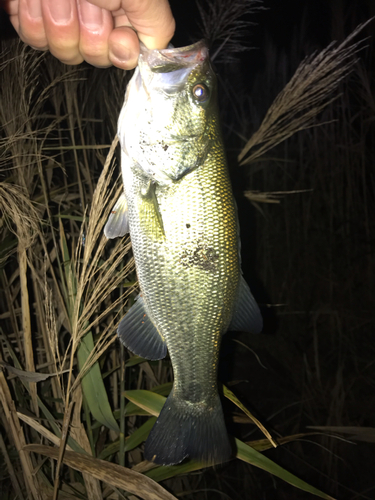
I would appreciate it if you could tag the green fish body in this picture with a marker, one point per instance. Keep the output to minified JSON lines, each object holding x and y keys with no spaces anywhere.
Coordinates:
{"x":181,"y":213}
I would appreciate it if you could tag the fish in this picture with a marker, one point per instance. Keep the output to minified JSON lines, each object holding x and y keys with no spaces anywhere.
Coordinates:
{"x":180,"y":211}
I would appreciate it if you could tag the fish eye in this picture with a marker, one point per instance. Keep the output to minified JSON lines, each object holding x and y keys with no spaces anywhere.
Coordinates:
{"x":200,"y":92}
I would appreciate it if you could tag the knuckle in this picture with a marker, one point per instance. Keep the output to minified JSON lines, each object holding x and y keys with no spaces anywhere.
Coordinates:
{"x":35,"y":41}
{"x":93,"y":50}
{"x":66,"y":53}
{"x":107,"y":4}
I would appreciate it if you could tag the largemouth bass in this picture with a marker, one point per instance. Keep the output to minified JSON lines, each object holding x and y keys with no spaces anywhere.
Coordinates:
{"x":180,"y":211}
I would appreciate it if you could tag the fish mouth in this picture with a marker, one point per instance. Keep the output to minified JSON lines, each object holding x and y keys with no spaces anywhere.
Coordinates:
{"x":172,"y":59}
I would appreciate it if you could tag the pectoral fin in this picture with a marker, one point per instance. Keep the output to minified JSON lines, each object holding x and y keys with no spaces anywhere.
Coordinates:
{"x":148,"y":193}
{"x":138,"y":333}
{"x":118,"y":223}
{"x":246,"y":315}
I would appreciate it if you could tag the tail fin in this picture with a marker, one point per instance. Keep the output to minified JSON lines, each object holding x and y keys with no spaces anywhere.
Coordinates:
{"x":188,"y":429}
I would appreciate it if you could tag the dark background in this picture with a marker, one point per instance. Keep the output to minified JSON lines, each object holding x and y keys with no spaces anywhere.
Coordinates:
{"x":309,"y":260}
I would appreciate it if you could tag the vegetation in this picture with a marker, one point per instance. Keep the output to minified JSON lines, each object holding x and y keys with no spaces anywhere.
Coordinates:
{"x":76,"y":408}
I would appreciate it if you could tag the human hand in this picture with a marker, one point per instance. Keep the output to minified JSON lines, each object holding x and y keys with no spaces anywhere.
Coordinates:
{"x":101,"y":32}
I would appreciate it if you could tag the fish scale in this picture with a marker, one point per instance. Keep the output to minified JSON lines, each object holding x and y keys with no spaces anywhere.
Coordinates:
{"x":192,"y":306}
{"x":180,"y":209}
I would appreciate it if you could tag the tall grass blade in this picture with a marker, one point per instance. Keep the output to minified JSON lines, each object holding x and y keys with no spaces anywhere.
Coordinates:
{"x":308,"y":92}
{"x":253,"y":457}
{"x":232,"y":397}
{"x":26,"y":322}
{"x":147,"y":400}
{"x":43,"y":431}
{"x":92,"y":382}
{"x":112,"y":474}
{"x":132,"y":441}
{"x":93,"y":386}
{"x":153,"y":403}
{"x":168,"y":471}
{"x":10,"y":468}
{"x":47,"y":414}
{"x":15,"y":431}
{"x":366,"y":434}
{"x":77,"y":430}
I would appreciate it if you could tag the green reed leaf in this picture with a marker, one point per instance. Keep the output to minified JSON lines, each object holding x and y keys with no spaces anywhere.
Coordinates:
{"x":153,"y":403}
{"x":168,"y":471}
{"x":93,"y":386}
{"x":92,"y":382}
{"x":147,"y":400}
{"x":132,"y":441}
{"x":253,"y":457}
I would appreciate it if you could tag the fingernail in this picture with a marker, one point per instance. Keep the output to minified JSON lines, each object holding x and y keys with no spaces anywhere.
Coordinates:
{"x":91,"y":15}
{"x":60,"y":11}
{"x":34,"y":8}
{"x":121,"y":53}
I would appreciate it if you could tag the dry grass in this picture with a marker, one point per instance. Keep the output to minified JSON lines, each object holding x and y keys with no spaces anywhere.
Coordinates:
{"x":64,"y":288}
{"x":315,"y":258}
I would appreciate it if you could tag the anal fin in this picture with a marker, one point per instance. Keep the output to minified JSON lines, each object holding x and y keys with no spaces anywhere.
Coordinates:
{"x":246,"y":316}
{"x":139,"y":334}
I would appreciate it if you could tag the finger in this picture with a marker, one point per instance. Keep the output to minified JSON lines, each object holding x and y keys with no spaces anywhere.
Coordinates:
{"x":110,"y":5}
{"x":123,"y":47}
{"x":61,"y":26}
{"x":29,"y":24}
{"x":10,"y":6}
{"x":96,"y":25}
{"x":152,"y":19}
